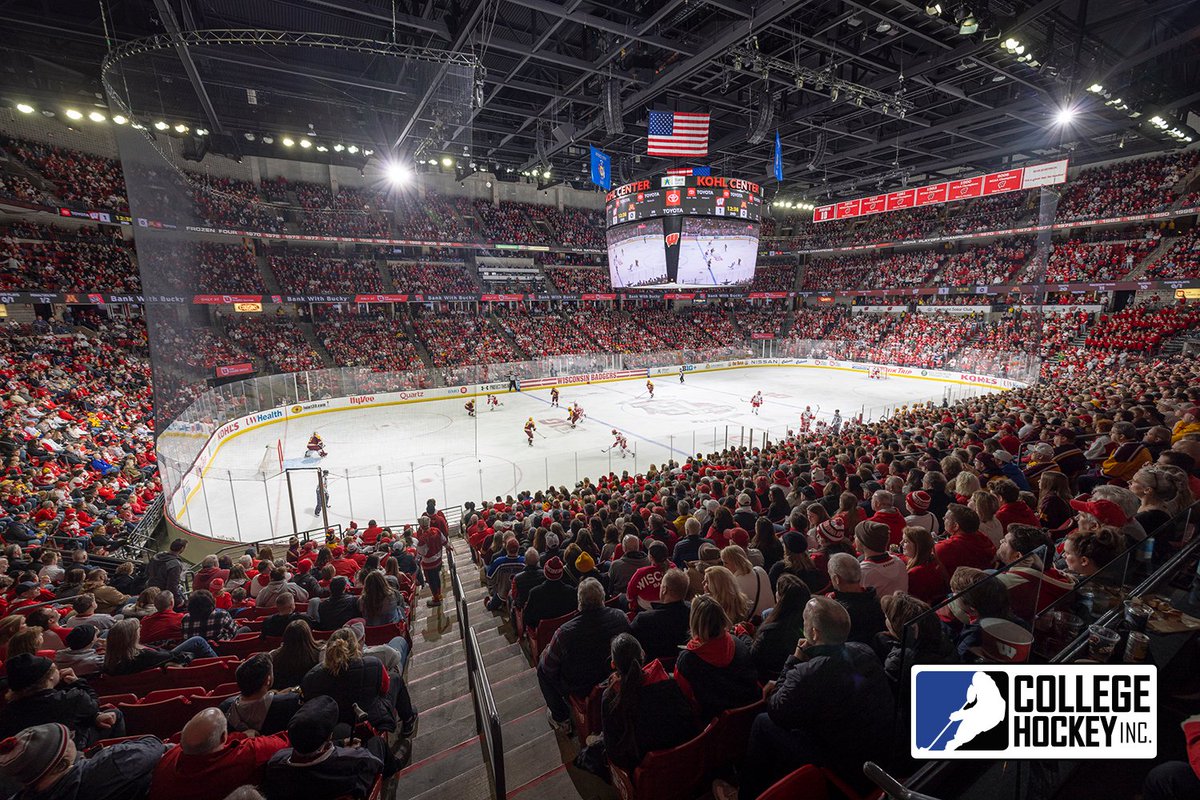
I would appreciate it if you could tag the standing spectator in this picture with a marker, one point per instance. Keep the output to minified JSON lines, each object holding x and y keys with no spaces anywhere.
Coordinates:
{"x":166,"y":569}
{"x":431,"y":543}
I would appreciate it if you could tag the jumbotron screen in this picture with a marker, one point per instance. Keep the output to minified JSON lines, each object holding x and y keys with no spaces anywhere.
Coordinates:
{"x":683,"y":232}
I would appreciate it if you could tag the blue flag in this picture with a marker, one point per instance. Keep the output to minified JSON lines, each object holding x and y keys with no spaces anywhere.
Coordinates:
{"x":778,"y":159}
{"x":601,"y":168}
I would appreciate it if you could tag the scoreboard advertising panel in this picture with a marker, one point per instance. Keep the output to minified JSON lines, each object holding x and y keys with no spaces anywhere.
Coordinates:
{"x":683,"y":231}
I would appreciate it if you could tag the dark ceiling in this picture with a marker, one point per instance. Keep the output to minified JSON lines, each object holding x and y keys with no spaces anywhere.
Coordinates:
{"x":974,"y":106}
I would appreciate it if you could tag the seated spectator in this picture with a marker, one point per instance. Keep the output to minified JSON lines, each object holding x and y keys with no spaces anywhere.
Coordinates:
{"x":44,"y":761}
{"x":259,"y":708}
{"x":39,"y":692}
{"x":165,"y":624}
{"x":914,"y":636}
{"x":80,"y":654}
{"x":295,"y":656}
{"x":861,"y":603}
{"x":796,"y":562}
{"x":552,"y":599}
{"x":645,"y":584}
{"x":928,"y":580}
{"x":776,"y":638}
{"x":714,"y":669}
{"x":1033,"y":584}
{"x":751,"y":581}
{"x":985,"y":598}
{"x":208,"y":570}
{"x":313,"y":767}
{"x":965,"y":545}
{"x":663,"y":628}
{"x":209,"y":762}
{"x":204,"y":620}
{"x":881,"y":571}
{"x":643,"y":708}
{"x":85,"y":614}
{"x":351,"y":679}
{"x":1089,"y":552}
{"x":577,"y":658}
{"x":883,"y":503}
{"x":280,"y":583}
{"x":108,"y":599}
{"x":831,"y":706}
{"x":530,"y":577}
{"x":718,"y":583}
{"x":339,"y":608}
{"x":124,"y":654}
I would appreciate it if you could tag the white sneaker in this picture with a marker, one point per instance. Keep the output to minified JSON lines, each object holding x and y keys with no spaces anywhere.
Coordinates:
{"x":564,"y":728}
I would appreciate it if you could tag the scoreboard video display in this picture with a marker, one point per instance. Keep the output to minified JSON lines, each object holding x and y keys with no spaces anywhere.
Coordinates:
{"x":680,"y":195}
{"x":678,"y":231}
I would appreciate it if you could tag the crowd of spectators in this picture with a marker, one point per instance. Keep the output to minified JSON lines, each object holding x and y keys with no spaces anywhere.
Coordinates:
{"x":79,"y":178}
{"x":998,"y":212}
{"x":571,"y":259}
{"x":432,"y":278}
{"x":373,"y":340}
{"x":352,"y":211}
{"x":992,"y":263}
{"x":1141,"y":186}
{"x":198,"y":348}
{"x":848,"y":534}
{"x":1182,"y":259}
{"x":509,"y":221}
{"x":909,"y":268}
{"x":228,"y":202}
{"x":570,"y":227}
{"x":773,"y":278}
{"x":580,"y":281}
{"x":1078,"y":261}
{"x":1142,"y":328}
{"x":616,"y":332}
{"x":277,"y":340}
{"x":16,"y":187}
{"x":313,"y":274}
{"x":435,"y":218}
{"x":545,"y":333}
{"x":454,"y":339}
{"x":65,"y":264}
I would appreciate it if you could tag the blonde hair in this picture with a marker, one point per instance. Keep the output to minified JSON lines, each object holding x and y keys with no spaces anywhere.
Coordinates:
{"x":340,"y":651}
{"x":28,"y":640}
{"x":966,"y":484}
{"x":736,"y":559}
{"x":723,"y":589}
{"x":986,"y":505}
{"x":707,"y":620}
{"x":122,"y":644}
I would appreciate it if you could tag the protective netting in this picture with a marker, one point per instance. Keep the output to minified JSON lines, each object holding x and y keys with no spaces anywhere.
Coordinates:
{"x":352,"y":105}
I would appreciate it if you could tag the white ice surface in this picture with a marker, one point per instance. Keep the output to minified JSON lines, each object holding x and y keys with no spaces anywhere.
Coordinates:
{"x":637,"y":260}
{"x":385,"y":462}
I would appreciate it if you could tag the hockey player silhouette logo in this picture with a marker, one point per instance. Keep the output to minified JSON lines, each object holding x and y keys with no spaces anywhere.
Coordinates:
{"x":960,"y":710}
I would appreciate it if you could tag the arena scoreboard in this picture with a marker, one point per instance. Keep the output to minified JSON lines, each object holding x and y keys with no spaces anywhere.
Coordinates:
{"x":683,"y":231}
{"x":684,"y":195}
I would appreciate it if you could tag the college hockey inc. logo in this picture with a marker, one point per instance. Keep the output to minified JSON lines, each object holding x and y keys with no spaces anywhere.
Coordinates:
{"x":1029,"y":712}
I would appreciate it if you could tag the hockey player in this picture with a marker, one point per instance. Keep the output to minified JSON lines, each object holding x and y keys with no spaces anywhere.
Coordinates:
{"x":315,"y":447}
{"x":619,"y":442}
{"x":554,"y":397}
{"x":530,"y":427}
{"x":572,"y":415}
{"x":756,"y":402}
{"x":493,"y":402}
{"x":650,"y":388}
{"x":806,"y":419}
{"x":836,"y":422}
{"x":470,"y":407}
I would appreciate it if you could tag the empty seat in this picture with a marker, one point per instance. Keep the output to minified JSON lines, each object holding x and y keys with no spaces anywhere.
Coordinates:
{"x":158,"y":695}
{"x":161,"y":719}
{"x":806,"y":782}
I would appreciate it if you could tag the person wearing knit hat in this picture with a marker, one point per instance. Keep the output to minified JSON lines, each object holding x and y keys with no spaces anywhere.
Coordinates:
{"x":880,"y":569}
{"x":314,"y":767}
{"x":554,"y":597}
{"x":80,"y":654}
{"x":918,"y":503}
{"x":830,"y":532}
{"x":44,"y":760}
{"x":41,"y":692}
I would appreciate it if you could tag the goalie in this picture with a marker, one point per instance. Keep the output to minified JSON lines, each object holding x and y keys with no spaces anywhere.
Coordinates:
{"x":315,"y":448}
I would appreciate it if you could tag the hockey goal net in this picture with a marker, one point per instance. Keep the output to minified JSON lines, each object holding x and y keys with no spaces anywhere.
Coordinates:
{"x":877,"y":373}
{"x":272,"y":460}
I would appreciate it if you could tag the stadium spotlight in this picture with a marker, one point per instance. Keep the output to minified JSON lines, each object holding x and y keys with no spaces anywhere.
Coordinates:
{"x":1010,"y":44}
{"x":96,"y":116}
{"x":305,"y":143}
{"x":268,"y":140}
{"x":1096,"y":88}
{"x":25,"y":108}
{"x":446,"y":161}
{"x":202,"y":131}
{"x":119,"y":120}
{"x":546,"y":174}
{"x":73,"y":114}
{"x":322,"y":148}
{"x":161,"y":126}
{"x":1064,"y":116}
{"x":397,"y":173}
{"x":933,"y":9}
{"x":337,"y":148}
{"x":352,"y":149}
{"x":288,"y":141}
{"x":181,"y":128}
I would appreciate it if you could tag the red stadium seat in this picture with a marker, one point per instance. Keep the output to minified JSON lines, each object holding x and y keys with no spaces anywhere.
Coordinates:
{"x":382,"y":634}
{"x":586,"y":713}
{"x":541,"y":637}
{"x":210,"y":674}
{"x":731,"y":730}
{"x":203,"y":701}
{"x":161,"y":719}
{"x":158,"y":695}
{"x":848,"y":791}
{"x":226,"y":689}
{"x":241,"y":647}
{"x":667,"y":774}
{"x":117,"y":699}
{"x":807,"y":782}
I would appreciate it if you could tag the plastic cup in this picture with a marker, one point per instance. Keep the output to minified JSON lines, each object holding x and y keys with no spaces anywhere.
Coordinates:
{"x":1137,"y":646}
{"x":1102,"y":642}
{"x":1137,"y":615}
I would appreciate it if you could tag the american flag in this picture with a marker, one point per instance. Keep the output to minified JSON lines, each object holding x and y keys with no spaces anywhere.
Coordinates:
{"x":689,"y":171}
{"x":674,"y":133}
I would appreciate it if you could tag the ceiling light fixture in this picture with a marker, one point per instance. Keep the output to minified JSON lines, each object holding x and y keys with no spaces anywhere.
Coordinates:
{"x":181,"y":128}
{"x":96,"y":116}
{"x":933,"y":9}
{"x":73,"y":114}
{"x":305,"y":143}
{"x":119,"y":120}
{"x":161,"y":126}
{"x":25,"y":108}
{"x":288,"y":141}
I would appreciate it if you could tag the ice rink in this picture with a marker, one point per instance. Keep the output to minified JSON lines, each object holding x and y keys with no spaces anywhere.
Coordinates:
{"x":385,"y":462}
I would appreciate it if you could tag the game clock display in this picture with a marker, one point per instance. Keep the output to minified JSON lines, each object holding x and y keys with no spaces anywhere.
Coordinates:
{"x":678,"y":195}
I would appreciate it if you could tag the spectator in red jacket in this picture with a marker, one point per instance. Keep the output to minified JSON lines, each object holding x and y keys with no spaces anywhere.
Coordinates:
{"x":1177,"y":779}
{"x":165,"y":624}
{"x":1012,"y":509}
{"x":209,"y":762}
{"x":966,"y":546}
{"x":883,"y":503}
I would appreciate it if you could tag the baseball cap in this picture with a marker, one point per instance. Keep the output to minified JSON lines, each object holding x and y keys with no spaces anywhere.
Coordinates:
{"x":1108,"y":512}
{"x":313,"y":724}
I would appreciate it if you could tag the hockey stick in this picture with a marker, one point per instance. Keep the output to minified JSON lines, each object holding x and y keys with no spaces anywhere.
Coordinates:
{"x":539,"y":433}
{"x":606,"y":449}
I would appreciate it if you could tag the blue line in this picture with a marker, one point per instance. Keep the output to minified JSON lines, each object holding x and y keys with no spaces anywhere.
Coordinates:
{"x":668,"y":448}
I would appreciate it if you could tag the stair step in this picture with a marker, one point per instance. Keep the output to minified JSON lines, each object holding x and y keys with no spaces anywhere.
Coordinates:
{"x":454,"y":721}
{"x":453,"y":653}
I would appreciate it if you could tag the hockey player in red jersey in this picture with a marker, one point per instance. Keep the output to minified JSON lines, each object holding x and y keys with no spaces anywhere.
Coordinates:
{"x":806,"y":419}
{"x":756,"y":402}
{"x":619,"y":442}
{"x":493,"y":402}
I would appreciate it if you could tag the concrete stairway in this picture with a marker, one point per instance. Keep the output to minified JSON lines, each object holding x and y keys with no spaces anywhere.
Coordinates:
{"x":448,"y":760}
{"x":508,"y":337}
{"x":270,"y":282}
{"x":310,"y":336}
{"x":1152,"y":258}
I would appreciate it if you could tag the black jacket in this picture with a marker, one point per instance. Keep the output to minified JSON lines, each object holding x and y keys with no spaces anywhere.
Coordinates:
{"x":362,"y":684}
{"x":551,"y":599}
{"x":283,"y":707}
{"x":524,"y":582}
{"x":347,"y":772}
{"x":774,"y":642}
{"x":164,"y":571}
{"x":687,"y":549}
{"x":578,"y":657}
{"x":334,"y":612}
{"x":866,"y":617}
{"x":659,"y":716}
{"x":274,"y":624}
{"x":74,"y":705}
{"x":840,"y":697}
{"x":719,"y":687}
{"x":663,"y":629}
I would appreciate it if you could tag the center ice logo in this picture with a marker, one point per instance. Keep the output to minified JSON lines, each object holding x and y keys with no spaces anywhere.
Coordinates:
{"x":961,"y":710}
